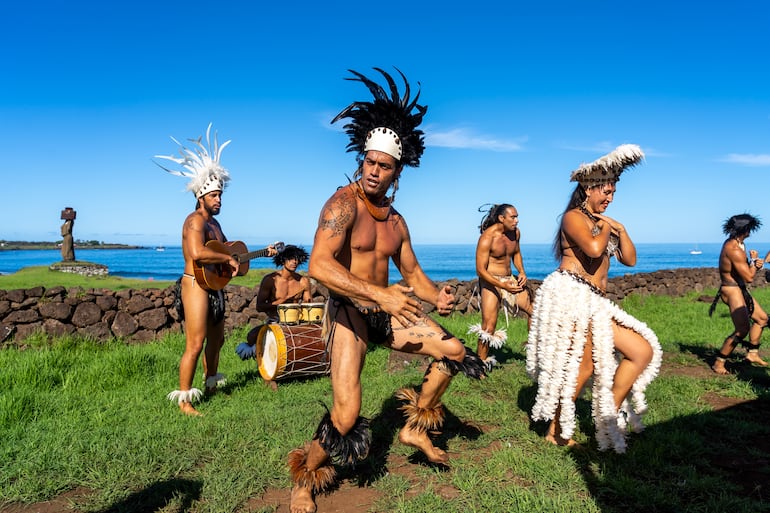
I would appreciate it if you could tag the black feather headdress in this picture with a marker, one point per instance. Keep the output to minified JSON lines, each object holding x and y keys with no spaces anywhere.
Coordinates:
{"x":741,"y":224}
{"x":401,"y":115}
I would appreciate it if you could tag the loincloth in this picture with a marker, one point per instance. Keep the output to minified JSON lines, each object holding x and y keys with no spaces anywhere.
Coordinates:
{"x":378,"y":326}
{"x":744,"y":291}
{"x":566,"y":309}
{"x":508,"y":299}
{"x":216,"y":301}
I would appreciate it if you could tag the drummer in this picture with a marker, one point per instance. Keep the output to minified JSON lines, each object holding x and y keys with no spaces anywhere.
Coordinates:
{"x":278,"y":288}
{"x":284,"y":286}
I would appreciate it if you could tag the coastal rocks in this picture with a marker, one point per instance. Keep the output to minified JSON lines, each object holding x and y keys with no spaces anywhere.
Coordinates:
{"x":137,"y":316}
{"x":82,"y":268}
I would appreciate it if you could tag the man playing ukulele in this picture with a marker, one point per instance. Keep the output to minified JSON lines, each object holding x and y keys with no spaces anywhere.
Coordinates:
{"x":204,"y":310}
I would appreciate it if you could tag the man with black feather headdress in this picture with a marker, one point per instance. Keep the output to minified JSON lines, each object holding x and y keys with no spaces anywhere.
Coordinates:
{"x":358,"y":232}
{"x":735,"y":270}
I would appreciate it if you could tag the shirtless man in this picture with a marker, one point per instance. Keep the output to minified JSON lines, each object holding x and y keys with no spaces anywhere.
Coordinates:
{"x":735,"y":271}
{"x":286,"y":285}
{"x":358,"y":233}
{"x":281,"y":287}
{"x":497,"y":248}
{"x":203,"y":309}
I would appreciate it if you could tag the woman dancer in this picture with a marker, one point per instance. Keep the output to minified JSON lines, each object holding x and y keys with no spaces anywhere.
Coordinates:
{"x":576,"y":331}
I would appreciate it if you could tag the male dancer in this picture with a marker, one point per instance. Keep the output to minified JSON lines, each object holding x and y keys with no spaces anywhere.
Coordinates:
{"x":735,"y":271}
{"x":499,"y":247}
{"x":358,"y":232}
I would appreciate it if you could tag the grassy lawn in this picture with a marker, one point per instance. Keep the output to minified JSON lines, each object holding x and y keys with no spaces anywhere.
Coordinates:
{"x":90,"y":422}
{"x":33,"y":276}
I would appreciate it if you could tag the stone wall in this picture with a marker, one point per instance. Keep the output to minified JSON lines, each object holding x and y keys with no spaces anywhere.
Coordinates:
{"x":145,"y":314}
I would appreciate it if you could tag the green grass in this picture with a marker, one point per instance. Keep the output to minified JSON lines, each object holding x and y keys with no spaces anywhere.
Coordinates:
{"x":30,"y":277}
{"x":80,"y":415}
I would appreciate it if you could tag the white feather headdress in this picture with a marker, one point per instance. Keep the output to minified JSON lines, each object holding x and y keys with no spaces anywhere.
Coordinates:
{"x":202,"y":165}
{"x":607,"y":169}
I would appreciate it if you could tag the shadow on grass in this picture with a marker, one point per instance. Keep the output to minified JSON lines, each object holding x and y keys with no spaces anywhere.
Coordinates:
{"x":157,"y":496}
{"x":506,"y":355}
{"x":736,"y":365}
{"x":384,"y":427}
{"x":712,"y":461}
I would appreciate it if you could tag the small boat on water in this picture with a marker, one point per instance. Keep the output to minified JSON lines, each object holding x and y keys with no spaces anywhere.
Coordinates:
{"x":160,"y":248}
{"x":696,"y":251}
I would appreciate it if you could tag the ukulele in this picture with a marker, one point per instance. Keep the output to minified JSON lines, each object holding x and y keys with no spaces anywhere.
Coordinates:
{"x":216,"y":276}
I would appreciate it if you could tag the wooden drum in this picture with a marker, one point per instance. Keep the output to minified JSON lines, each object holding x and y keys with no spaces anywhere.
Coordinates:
{"x":287,"y":351}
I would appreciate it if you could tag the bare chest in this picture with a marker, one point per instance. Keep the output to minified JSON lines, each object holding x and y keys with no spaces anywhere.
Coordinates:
{"x":383,"y":238}
{"x":503,"y":247}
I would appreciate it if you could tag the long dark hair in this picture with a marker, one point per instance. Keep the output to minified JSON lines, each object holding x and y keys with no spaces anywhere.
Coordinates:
{"x":491,"y":217}
{"x":576,"y":199}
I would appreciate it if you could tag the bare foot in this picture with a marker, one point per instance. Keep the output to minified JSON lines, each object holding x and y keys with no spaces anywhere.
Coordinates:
{"x":557,"y":440}
{"x":420,"y":440}
{"x":272,"y":384}
{"x":188,"y":409}
{"x":719,"y":367}
{"x":754,"y":358}
{"x":302,"y":500}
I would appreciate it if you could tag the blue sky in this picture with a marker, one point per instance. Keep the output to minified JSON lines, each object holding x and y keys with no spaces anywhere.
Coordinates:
{"x":517,"y":98}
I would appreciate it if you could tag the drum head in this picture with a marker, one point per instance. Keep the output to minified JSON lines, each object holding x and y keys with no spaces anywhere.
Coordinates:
{"x":271,"y":351}
{"x":289,"y":313}
{"x":313,"y":312}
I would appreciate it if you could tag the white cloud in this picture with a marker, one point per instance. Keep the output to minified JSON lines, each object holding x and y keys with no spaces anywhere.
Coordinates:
{"x":747,"y":159}
{"x":461,"y":138}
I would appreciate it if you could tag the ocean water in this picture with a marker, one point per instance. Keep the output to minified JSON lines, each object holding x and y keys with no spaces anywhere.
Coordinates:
{"x":440,"y":261}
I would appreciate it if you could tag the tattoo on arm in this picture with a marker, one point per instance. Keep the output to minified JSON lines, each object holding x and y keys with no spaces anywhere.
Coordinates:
{"x":336,"y":217}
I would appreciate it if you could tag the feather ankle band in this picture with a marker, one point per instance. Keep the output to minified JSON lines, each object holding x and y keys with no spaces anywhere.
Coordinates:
{"x":316,"y":480}
{"x":494,"y":340}
{"x":185,"y":396}
{"x":472,"y":366}
{"x":345,"y":449}
{"x":422,"y":419}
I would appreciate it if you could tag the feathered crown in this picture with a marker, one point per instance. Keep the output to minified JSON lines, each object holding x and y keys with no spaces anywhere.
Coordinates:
{"x":290,"y":252}
{"x":388,"y":123}
{"x":607,"y":169}
{"x":205,"y":172}
{"x":741,"y":224}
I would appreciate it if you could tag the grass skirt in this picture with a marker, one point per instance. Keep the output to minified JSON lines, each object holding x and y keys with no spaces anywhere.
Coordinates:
{"x":565,"y":309}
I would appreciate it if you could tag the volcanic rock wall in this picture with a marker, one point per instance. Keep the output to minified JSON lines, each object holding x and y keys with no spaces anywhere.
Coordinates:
{"x":145,"y":314}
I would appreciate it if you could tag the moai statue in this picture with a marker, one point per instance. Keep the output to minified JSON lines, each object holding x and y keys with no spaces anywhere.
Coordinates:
{"x":67,"y":246}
